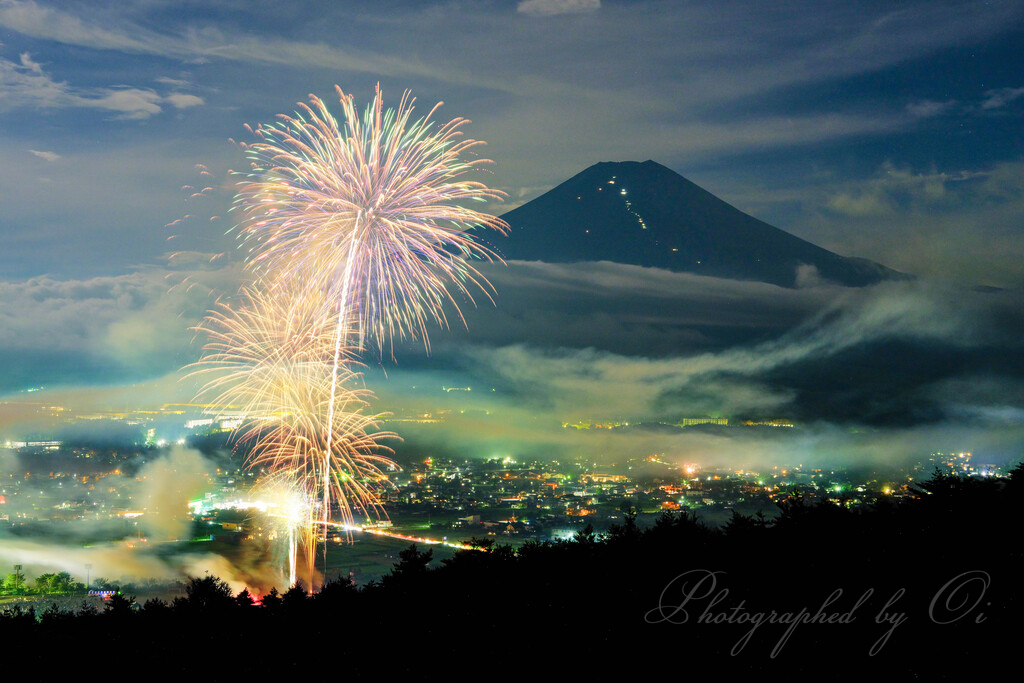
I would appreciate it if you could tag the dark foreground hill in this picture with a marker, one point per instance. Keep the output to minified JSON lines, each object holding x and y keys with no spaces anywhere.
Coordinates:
{"x":925,"y":589}
{"x":646,"y":214}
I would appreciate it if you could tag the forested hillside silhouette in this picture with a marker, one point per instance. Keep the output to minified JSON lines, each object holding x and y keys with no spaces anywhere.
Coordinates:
{"x":924,"y":589}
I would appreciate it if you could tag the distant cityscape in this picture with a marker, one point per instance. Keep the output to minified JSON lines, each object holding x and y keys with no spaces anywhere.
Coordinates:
{"x":443,"y":498}
{"x":97,"y":491}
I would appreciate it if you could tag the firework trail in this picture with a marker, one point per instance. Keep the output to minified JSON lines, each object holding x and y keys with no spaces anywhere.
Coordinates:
{"x":290,"y":510}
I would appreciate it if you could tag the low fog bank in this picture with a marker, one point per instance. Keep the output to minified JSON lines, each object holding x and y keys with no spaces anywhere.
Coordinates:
{"x":884,"y":374}
{"x":874,"y":377}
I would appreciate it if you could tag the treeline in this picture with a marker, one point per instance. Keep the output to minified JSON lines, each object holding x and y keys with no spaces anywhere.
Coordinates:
{"x":63,"y":584}
{"x":59,"y":583}
{"x":923,"y":589}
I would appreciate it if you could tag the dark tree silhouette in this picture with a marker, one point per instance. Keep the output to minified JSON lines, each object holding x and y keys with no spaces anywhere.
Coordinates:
{"x":294,"y":599}
{"x":272,"y":601}
{"x":412,"y":564}
{"x":336,"y":591}
{"x":119,"y":606}
{"x":206,"y":594}
{"x":244,"y":598}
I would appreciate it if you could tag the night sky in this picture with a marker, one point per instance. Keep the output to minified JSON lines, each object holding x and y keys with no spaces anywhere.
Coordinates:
{"x":886,"y":131}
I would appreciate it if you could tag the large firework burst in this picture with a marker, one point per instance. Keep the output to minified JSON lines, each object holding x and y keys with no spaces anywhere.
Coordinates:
{"x":373,"y":213}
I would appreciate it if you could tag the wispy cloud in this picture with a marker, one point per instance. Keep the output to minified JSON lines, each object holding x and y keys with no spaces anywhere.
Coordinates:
{"x":117,"y":30}
{"x":926,"y":109}
{"x":991,"y":100}
{"x":183,"y":101}
{"x":174,"y":82}
{"x":547,"y":8}
{"x":996,"y":99}
{"x":890,"y":188}
{"x":32,"y":19}
{"x":47,"y":156}
{"x":723,"y":52}
{"x":960,"y":224}
{"x":26,"y":84}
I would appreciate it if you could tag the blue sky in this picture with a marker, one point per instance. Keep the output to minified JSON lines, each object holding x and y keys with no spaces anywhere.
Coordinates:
{"x":865,"y":127}
{"x":891,"y":131}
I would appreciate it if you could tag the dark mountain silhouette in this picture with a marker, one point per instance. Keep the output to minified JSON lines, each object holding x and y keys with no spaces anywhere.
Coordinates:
{"x":648,"y":215}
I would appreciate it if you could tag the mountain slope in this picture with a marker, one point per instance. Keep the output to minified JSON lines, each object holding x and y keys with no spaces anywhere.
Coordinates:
{"x":646,"y":214}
